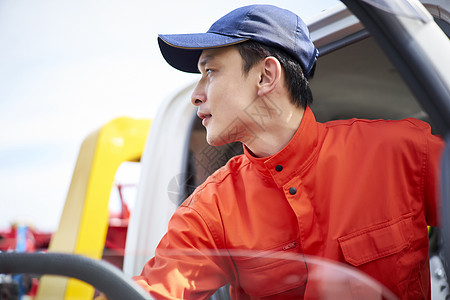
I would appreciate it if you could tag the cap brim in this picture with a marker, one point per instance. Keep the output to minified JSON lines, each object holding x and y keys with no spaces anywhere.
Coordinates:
{"x":182,"y":51}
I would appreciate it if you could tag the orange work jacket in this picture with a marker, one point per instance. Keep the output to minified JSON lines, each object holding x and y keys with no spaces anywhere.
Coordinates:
{"x":358,"y":192}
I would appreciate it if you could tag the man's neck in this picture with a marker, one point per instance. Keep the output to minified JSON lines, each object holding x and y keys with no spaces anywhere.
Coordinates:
{"x":276,"y":134}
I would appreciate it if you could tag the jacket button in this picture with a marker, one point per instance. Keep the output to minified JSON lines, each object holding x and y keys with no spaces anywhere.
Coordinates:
{"x":292,"y":191}
{"x":278,"y":168}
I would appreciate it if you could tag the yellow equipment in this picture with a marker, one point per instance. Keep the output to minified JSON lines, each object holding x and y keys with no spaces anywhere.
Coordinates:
{"x":84,"y":221}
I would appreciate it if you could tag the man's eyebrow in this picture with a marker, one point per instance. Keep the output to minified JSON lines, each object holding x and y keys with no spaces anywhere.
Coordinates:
{"x":204,"y":60}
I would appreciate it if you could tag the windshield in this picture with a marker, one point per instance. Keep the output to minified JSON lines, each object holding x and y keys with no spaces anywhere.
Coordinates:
{"x":370,"y":88}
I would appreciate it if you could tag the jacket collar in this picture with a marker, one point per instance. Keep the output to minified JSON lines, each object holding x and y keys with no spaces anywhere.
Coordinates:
{"x":296,"y":156}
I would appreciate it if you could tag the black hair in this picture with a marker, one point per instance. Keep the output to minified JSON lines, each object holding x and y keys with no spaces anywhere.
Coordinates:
{"x":297,"y":83}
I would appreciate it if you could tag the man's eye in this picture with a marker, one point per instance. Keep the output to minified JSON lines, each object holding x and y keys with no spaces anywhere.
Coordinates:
{"x":208,"y":71}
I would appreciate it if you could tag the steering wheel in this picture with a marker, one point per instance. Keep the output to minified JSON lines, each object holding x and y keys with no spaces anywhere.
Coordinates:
{"x":103,"y":276}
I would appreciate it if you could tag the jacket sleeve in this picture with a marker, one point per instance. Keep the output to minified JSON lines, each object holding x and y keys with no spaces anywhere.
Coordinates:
{"x":435,"y":147}
{"x":188,"y":262}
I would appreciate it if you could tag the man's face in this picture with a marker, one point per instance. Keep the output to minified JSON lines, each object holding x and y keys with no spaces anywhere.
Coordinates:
{"x":223,"y":94}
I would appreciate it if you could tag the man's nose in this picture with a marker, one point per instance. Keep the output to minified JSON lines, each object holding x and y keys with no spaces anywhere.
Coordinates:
{"x":198,"y":95}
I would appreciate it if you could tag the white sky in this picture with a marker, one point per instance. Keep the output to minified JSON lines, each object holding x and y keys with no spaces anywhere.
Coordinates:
{"x":67,"y":68}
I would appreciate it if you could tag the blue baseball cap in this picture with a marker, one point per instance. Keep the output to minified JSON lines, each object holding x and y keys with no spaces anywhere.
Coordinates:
{"x":267,"y":24}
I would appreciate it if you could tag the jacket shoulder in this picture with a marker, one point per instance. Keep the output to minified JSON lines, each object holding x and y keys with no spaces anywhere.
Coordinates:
{"x":221,"y":178}
{"x":389,"y":130}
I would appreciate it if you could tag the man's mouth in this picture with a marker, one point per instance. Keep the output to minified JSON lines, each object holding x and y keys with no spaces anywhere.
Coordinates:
{"x":204,"y":116}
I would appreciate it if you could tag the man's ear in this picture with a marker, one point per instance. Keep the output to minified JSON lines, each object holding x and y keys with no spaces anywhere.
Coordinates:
{"x":270,"y":75}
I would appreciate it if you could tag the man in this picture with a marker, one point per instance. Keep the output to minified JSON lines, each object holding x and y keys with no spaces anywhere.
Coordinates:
{"x":358,"y":192}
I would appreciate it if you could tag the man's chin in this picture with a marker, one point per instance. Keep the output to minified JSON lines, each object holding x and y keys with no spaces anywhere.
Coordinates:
{"x":215,"y":140}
